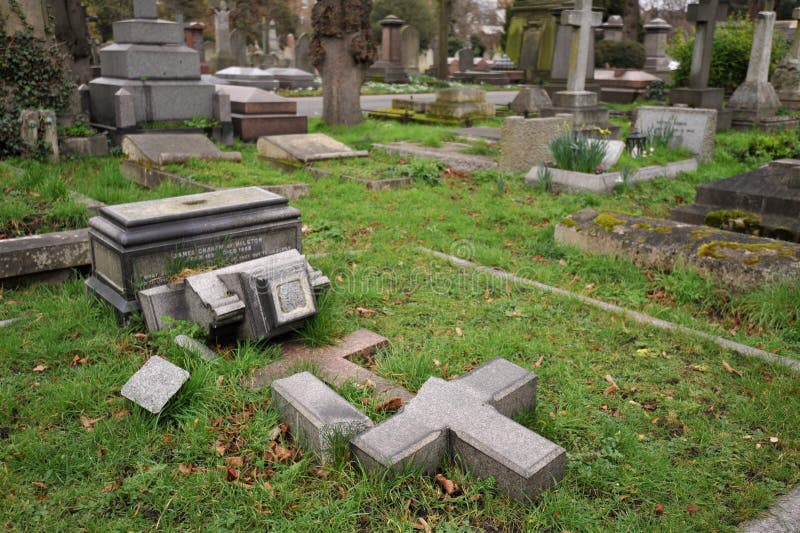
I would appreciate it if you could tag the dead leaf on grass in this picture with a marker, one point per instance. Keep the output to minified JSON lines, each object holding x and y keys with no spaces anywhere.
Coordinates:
{"x":391,"y":405}
{"x":538,"y":363}
{"x":235,"y":461}
{"x":692,"y":508}
{"x":87,"y":423}
{"x":40,"y":368}
{"x":422,"y":525}
{"x":78,"y":360}
{"x":363,"y":311}
{"x":39,"y":484}
{"x":450,"y":487}
{"x":120,"y":414}
{"x":110,"y":487}
{"x":231,"y":475}
{"x":659,"y":509}
{"x":459,"y":332}
{"x":730,"y":369}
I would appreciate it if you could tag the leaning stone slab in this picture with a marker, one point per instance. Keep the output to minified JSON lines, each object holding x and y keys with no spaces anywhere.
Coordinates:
{"x":735,"y":260}
{"x":305,"y":148}
{"x":152,"y":386}
{"x":690,"y":128}
{"x":161,"y":149}
{"x":198,"y":348}
{"x":469,"y":418}
{"x":49,"y":252}
{"x":451,"y":154}
{"x":316,"y":415}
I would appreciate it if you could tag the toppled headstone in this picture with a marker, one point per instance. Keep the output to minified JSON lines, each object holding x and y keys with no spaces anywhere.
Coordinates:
{"x":142,"y":244}
{"x":161,"y":149}
{"x":255,"y":300}
{"x":470,"y":418}
{"x":305,"y":148}
{"x":684,"y":127}
{"x":152,"y":386}
{"x":319,"y":418}
{"x":198,"y":348}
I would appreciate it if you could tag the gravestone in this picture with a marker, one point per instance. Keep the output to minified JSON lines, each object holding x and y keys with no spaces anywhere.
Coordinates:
{"x":612,"y":29}
{"x":291,"y":45}
{"x":461,"y":103}
{"x":255,"y":300}
{"x":525,"y":143}
{"x":705,"y":14}
{"x":222,"y":37}
{"x":256,"y":113}
{"x":246,"y":77}
{"x":466,"y":59}
{"x":389,"y":68}
{"x":239,"y":48}
{"x":304,"y":149}
{"x":139,"y":245}
{"x":302,"y":57}
{"x":193,"y":34}
{"x":582,"y":104}
{"x":39,"y":126}
{"x":159,"y":149}
{"x":694,"y":129}
{"x":272,"y":37}
{"x":293,"y":78}
{"x":469,"y":418}
{"x":530,"y":100}
{"x":409,"y":49}
{"x":656,"y":33}
{"x":786,"y":78}
{"x":755,"y":100}
{"x":152,"y":386}
{"x":529,"y":54}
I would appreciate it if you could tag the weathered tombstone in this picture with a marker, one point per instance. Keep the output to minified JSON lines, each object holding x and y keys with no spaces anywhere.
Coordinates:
{"x":239,"y":47}
{"x":461,"y":103}
{"x":685,"y":127}
{"x":342,"y":50}
{"x":194,"y":40}
{"x":292,"y":78}
{"x":612,"y":29}
{"x":152,"y":386}
{"x":272,"y":37}
{"x":389,"y":68}
{"x":576,"y":99}
{"x":39,"y":126}
{"x":529,"y":53}
{"x":786,"y":78}
{"x":291,"y":45}
{"x":525,"y":143}
{"x":530,"y":100}
{"x":409,"y":49}
{"x":655,"y":43}
{"x":305,"y":149}
{"x":302,"y":53}
{"x":159,"y":149}
{"x":124,"y":110}
{"x":140,"y":245}
{"x":466,"y":59}
{"x":255,"y":300}
{"x":257,"y":113}
{"x":222,"y":37}
{"x":469,"y":418}
{"x":755,"y":99}
{"x":705,"y":15}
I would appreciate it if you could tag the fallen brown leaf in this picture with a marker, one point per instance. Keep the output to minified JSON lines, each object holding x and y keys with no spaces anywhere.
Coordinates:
{"x":231,"y":474}
{"x":539,"y":362}
{"x":110,"y":487}
{"x":459,"y":332}
{"x":422,"y":525}
{"x":141,"y":337}
{"x":450,"y":487}
{"x":730,"y":369}
{"x":692,"y":508}
{"x":185,"y":469}
{"x":610,"y":390}
{"x":121,"y":413}
{"x":391,"y":405}
{"x":659,"y":509}
{"x":40,"y":368}
{"x":220,"y":447}
{"x":363,"y":311}
{"x":234,"y":461}
{"x":38,"y":484}
{"x":78,"y":360}
{"x":774,"y":440}
{"x":87,"y":423}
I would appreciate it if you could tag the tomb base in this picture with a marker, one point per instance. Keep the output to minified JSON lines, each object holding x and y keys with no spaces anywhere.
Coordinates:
{"x":251,"y":127}
{"x":754,"y":102}
{"x":387,"y":72}
{"x":710,"y":98}
{"x":582,"y":105}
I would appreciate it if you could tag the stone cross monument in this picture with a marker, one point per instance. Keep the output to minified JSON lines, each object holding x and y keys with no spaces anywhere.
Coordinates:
{"x":786,"y":78}
{"x":222,"y":35}
{"x":755,"y":99}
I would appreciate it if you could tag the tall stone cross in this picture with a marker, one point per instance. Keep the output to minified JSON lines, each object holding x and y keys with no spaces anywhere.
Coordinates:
{"x":705,"y":15}
{"x":584,"y":20}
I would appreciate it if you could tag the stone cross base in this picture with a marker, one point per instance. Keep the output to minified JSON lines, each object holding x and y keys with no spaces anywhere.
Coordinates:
{"x":582,"y":105}
{"x":754,"y":101}
{"x":710,"y":98}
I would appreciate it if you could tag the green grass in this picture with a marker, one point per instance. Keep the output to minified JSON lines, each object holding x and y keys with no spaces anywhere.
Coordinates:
{"x":681,"y":430}
{"x":661,"y":156}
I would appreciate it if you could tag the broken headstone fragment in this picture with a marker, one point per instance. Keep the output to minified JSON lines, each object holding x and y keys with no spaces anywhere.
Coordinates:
{"x":152,"y":386}
{"x":198,"y":348}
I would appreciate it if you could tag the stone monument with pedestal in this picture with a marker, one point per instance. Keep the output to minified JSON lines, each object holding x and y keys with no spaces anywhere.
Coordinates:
{"x":655,"y":43}
{"x":786,"y":78}
{"x":755,"y":103}
{"x":705,"y":15}
{"x":194,"y":39}
{"x":612,"y":29}
{"x":576,"y":100}
{"x":389,"y":68}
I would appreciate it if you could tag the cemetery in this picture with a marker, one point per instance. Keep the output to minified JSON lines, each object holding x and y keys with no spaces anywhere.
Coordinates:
{"x":364,"y":265}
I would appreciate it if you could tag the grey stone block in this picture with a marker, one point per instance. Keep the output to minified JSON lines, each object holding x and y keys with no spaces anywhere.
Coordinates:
{"x":159,"y":149}
{"x":95,"y":146}
{"x":467,"y":418}
{"x":44,"y":253}
{"x":154,"y":384}
{"x":147,"y":32}
{"x":525,"y":143}
{"x":124,"y":109}
{"x":317,"y":416}
{"x":305,"y":148}
{"x":198,"y":348}
{"x":147,"y":61}
{"x":145,"y":9}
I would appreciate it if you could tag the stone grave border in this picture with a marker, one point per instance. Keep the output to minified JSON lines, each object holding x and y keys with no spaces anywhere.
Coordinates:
{"x":566,"y":180}
{"x":371,"y":185}
{"x":459,"y":162}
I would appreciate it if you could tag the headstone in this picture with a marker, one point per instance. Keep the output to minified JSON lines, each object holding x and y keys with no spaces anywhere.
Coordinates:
{"x":305,"y":148}
{"x":258,"y":113}
{"x":466,"y":59}
{"x":562,"y":56}
{"x":153,"y":385}
{"x":786,"y":78}
{"x":525,"y":143}
{"x":239,"y":47}
{"x":255,"y":300}
{"x":222,"y":36}
{"x":389,"y":68}
{"x":656,"y":33}
{"x":705,"y":14}
{"x":39,"y":126}
{"x":530,"y":100}
{"x":320,"y":419}
{"x":409,"y":49}
{"x":529,"y":54}
{"x":145,"y":9}
{"x":222,"y":113}
{"x":159,"y":149}
{"x":612,"y":29}
{"x":139,"y":245}
{"x":461,"y":103}
{"x":755,"y":99}
{"x":470,"y":418}
{"x":246,"y":77}
{"x":291,"y":46}
{"x":302,"y":59}
{"x":274,"y":45}
{"x":694,"y":129}
{"x":193,"y":34}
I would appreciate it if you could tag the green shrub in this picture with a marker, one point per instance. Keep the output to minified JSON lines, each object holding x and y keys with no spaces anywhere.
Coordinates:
{"x":620,"y":54}
{"x":731,"y":55}
{"x":754,"y":147}
{"x":578,"y":153}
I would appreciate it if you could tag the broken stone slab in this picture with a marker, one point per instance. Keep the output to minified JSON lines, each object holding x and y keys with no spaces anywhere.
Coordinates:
{"x":451,"y":154}
{"x":334,"y":364}
{"x":784,"y":517}
{"x":161,"y":149}
{"x":317,"y":416}
{"x":152,"y":386}
{"x":92,"y":205}
{"x":732,"y":259}
{"x":305,"y":148}
{"x":254,"y":300}
{"x":49,"y":252}
{"x":198,"y":348}
{"x":469,"y":418}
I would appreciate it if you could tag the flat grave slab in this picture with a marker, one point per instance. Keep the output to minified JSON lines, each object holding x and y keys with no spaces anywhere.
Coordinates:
{"x":451,"y":154}
{"x":305,"y":148}
{"x":735,"y":260}
{"x":480,"y":132}
{"x":160,"y":149}
{"x":37,"y":255}
{"x":152,"y":386}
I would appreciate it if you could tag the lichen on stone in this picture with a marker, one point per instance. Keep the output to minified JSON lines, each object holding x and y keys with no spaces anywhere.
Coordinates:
{"x":716,"y":249}
{"x":569,"y":222}
{"x":608,"y":221}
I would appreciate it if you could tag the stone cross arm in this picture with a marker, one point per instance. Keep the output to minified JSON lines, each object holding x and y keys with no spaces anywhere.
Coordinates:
{"x":707,"y":11}
{"x":469,"y":418}
{"x":145,"y":9}
{"x":575,"y":17}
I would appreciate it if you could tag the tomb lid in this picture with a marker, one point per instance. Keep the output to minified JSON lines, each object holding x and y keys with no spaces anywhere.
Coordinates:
{"x":243,"y":72}
{"x":279,"y":72}
{"x":193,"y":206}
{"x":250,"y":94}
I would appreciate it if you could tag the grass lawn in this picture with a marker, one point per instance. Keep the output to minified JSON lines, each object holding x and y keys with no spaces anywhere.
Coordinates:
{"x":710,"y":446}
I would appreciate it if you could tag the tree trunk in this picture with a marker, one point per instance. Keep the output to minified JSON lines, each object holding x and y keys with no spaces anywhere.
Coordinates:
{"x":630,"y":30}
{"x":442,"y":68}
{"x":342,"y":78}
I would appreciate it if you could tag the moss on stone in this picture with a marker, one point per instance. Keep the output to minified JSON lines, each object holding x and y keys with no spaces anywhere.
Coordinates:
{"x":569,"y":222}
{"x":702,"y":233}
{"x":715,"y":250}
{"x":643,"y":225}
{"x":663,"y":229}
{"x":608,"y":221}
{"x":734,"y":219}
